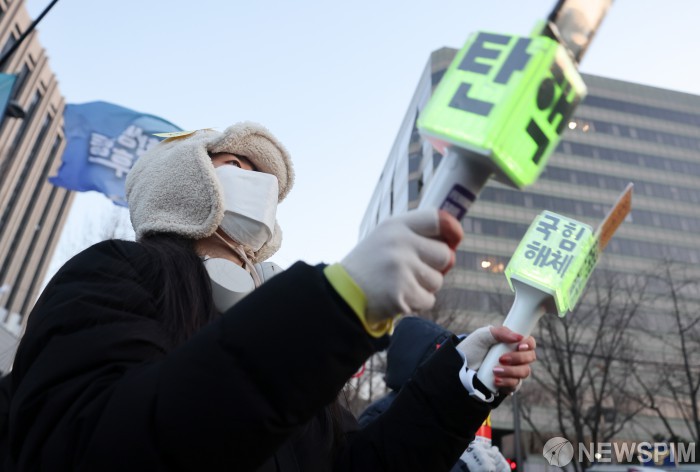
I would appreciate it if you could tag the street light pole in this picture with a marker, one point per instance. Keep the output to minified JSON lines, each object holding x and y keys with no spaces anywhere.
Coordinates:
{"x":516,"y":432}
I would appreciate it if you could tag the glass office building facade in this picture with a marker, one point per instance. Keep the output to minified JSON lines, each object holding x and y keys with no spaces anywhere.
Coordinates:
{"x":622,"y":132}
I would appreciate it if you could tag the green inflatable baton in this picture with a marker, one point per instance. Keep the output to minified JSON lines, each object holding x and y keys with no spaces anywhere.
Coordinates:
{"x":549,"y":271}
{"x":503,"y":104}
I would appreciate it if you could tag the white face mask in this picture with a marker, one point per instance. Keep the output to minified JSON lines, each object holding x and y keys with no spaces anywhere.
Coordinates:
{"x":250,"y":204}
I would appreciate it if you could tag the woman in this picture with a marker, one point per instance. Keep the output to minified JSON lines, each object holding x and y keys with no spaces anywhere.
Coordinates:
{"x":128,"y":364}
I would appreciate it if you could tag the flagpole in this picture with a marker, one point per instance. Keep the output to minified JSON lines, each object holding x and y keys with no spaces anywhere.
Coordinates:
{"x":24,"y":35}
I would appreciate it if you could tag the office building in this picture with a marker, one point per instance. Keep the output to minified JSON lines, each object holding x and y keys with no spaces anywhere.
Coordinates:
{"x":32,"y":211}
{"x":622,"y":132}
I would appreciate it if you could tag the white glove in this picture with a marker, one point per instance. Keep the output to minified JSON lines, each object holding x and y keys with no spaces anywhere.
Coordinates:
{"x":474,"y":349}
{"x":498,"y":459}
{"x":478,"y":458}
{"x":399,"y":264}
{"x":476,"y":346}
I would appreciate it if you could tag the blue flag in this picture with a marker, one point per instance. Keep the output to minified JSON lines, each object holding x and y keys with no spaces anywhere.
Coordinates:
{"x":7,"y":82}
{"x":103,"y":142}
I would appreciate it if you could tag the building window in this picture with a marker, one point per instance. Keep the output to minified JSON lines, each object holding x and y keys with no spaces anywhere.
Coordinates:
{"x":19,"y":187}
{"x":436,"y":77}
{"x":53,"y":235}
{"x":643,"y":110}
{"x":11,"y":41}
{"x":21,"y":80}
{"x":414,"y":188}
{"x":414,"y":160}
{"x":30,"y":209}
{"x":437,"y":159}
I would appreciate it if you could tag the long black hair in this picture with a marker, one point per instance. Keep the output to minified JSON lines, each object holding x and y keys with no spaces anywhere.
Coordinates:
{"x":186,"y":305}
{"x":184,"y":291}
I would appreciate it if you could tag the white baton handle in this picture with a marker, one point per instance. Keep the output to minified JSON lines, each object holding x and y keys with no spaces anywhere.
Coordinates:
{"x":456,"y":183}
{"x":522,"y":318}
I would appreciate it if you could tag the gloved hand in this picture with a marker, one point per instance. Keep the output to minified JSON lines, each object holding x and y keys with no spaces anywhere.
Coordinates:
{"x":400,"y":265}
{"x":479,"y":458}
{"x":476,"y":346}
{"x":514,"y":366}
{"x":498,"y":459}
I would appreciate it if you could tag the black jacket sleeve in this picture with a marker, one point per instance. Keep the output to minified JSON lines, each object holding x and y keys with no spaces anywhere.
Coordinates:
{"x":427,"y":426}
{"x":375,"y":409}
{"x":95,"y":386}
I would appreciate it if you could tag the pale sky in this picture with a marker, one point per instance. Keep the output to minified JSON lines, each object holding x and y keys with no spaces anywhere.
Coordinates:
{"x":331,"y":80}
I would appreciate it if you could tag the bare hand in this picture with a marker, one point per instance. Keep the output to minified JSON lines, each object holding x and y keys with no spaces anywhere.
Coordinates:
{"x":514,"y":366}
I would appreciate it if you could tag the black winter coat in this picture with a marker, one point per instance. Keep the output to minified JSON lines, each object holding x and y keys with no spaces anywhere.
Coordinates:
{"x":96,"y":385}
{"x":414,"y":341}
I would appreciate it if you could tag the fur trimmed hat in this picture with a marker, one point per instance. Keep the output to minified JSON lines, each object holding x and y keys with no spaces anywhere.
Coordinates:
{"x":173,"y":188}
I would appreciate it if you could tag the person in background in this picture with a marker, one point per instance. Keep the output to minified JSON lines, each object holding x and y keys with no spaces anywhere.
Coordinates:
{"x":185,"y":350}
{"x":414,"y":341}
